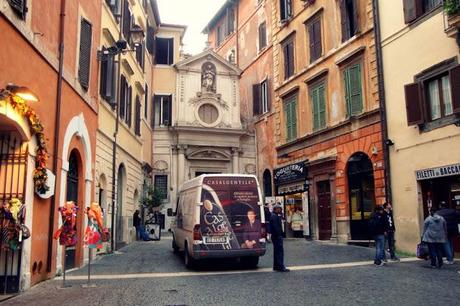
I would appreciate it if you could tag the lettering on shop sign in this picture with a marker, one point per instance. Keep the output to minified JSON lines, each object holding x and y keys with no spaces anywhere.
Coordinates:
{"x":426,"y":174}
{"x":290,"y":173}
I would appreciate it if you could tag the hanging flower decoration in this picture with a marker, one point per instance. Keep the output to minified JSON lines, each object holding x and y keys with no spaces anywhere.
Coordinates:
{"x":18,"y":104}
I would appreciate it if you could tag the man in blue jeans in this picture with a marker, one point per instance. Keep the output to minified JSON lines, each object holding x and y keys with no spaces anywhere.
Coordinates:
{"x":277,"y":239}
{"x":378,"y":226}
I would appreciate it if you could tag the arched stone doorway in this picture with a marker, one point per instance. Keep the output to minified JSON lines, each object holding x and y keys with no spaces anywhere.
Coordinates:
{"x":361,"y":193}
{"x":267,"y":182}
{"x":121,"y":183}
{"x":72,"y":195}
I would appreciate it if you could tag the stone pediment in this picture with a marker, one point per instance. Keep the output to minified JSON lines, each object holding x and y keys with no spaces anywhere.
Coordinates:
{"x":208,"y":154}
{"x":209,"y":56}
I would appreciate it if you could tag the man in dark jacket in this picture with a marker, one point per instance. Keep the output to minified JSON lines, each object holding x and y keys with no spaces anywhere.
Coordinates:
{"x":277,"y":239}
{"x":137,"y":224}
{"x":390,"y":237}
{"x":378,"y":226}
{"x":452,"y":218}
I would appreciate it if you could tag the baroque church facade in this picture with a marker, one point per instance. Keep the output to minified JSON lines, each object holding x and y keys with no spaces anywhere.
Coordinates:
{"x":205,"y":133}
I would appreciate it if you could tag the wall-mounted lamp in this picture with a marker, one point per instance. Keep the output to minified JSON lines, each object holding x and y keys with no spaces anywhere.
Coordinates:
{"x":137,"y":36}
{"x":389,"y":142}
{"x":19,"y":91}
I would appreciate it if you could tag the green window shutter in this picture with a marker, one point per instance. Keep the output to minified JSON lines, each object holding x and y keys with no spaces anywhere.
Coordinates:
{"x":356,"y":98}
{"x":291,"y":119}
{"x":346,"y":82}
{"x":315,"y":110}
{"x":287,"y":116}
{"x":322,"y":107}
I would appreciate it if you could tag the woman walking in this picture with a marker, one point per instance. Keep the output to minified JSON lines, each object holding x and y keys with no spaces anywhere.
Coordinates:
{"x":435,"y":235}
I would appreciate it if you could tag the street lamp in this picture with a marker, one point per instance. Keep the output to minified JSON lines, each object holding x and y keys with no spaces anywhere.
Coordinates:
{"x":19,"y":91}
{"x":120,"y":47}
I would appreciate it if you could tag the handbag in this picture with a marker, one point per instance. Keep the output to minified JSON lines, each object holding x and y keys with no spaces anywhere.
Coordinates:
{"x":422,"y":251}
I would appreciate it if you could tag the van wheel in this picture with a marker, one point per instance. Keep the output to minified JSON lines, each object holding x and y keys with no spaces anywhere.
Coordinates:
{"x":250,"y":262}
{"x":175,"y":247}
{"x":188,"y":260}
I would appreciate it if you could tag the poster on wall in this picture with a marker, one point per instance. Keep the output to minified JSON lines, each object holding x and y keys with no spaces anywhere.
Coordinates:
{"x":306,"y":214}
{"x":230,"y":215}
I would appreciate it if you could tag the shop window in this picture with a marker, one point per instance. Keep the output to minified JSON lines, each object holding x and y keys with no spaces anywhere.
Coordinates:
{"x":353,"y":90}
{"x":161,"y":184}
{"x":262,"y":36}
{"x":349,"y":18}
{"x":19,"y":7}
{"x":108,"y":79}
{"x":162,"y":110}
{"x":85,"y":53}
{"x":290,"y":116}
{"x":414,"y":9}
{"x":288,"y":52}
{"x":261,"y":98}
{"x":285,"y":10}
{"x":318,"y":101}
{"x":432,"y":101}
{"x":164,"y":53}
{"x":314,"y":38}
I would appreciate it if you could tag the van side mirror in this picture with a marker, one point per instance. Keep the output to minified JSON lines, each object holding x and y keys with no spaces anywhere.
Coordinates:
{"x":170,"y":212}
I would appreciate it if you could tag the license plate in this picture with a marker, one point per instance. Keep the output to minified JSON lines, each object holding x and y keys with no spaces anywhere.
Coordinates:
{"x":215,"y":239}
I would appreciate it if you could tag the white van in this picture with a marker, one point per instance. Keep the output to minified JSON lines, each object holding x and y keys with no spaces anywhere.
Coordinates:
{"x":219,"y":216}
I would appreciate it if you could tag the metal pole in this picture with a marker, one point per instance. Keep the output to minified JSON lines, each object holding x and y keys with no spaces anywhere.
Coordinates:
{"x":114,"y":149}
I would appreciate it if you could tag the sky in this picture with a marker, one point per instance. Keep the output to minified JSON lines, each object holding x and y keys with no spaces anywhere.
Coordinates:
{"x":195,"y":14}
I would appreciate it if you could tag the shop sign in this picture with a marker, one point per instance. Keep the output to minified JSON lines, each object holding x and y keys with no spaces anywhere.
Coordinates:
{"x":431,"y":173}
{"x":291,"y":173}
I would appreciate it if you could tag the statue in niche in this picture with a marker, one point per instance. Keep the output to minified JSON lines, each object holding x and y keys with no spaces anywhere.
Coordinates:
{"x":208,"y":77}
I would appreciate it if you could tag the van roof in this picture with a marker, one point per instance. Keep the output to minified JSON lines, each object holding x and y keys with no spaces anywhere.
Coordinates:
{"x":198,"y":181}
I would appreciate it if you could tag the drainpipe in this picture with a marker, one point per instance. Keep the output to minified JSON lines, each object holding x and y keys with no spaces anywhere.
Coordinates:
{"x":382,"y":104}
{"x":115,"y":133}
{"x":56,"y":132}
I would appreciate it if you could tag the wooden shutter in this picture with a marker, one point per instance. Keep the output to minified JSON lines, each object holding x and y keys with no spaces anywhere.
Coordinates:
{"x":356,"y":90}
{"x":256,"y":105}
{"x":355,"y":17}
{"x":103,"y":77}
{"x":231,"y":20}
{"x":346,"y":82}
{"x":262,"y":36}
{"x":107,"y":89}
{"x":129,"y":106}
{"x":414,"y":108}
{"x":283,"y":10}
{"x":315,"y":108}
{"x":455,"y":88}
{"x":137,"y":124}
{"x":269,"y":95}
{"x":288,"y":9}
{"x":167,"y":111}
{"x":322,"y":106}
{"x":85,"y":53}
{"x":317,"y":38}
{"x":19,"y":7}
{"x":412,"y":10}
{"x":122,"y":97}
{"x":286,"y":60}
{"x":146,"y":102}
{"x":170,"y":51}
{"x":154,"y":106}
{"x":311,"y":41}
{"x":150,"y":39}
{"x":344,"y":21}
{"x":126,"y":23}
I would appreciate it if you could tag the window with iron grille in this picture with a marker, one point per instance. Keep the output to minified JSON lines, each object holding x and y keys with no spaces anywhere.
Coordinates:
{"x":85,"y":53}
{"x":161,"y":184}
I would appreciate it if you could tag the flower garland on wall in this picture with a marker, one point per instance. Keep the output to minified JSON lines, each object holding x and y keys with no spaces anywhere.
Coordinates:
{"x":40,"y":175}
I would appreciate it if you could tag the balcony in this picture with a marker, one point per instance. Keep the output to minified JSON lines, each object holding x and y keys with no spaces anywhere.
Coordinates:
{"x":452,"y":17}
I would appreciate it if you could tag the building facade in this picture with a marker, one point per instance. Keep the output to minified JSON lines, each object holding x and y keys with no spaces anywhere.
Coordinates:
{"x":124,"y":137}
{"x":423,"y":107}
{"x":241,"y":32}
{"x":327,"y":114}
{"x":55,"y":57}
